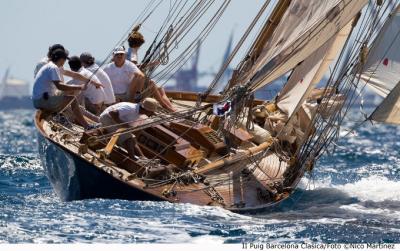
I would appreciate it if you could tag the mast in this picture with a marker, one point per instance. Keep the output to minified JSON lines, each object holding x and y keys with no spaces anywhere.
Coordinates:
{"x":228,"y":50}
{"x":195,"y":60}
{"x":269,"y":28}
{"x":255,"y":50}
{"x":186,"y":79}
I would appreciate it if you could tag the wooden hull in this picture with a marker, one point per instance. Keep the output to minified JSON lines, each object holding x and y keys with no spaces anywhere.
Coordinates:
{"x":77,"y":175}
{"x":76,"y":179}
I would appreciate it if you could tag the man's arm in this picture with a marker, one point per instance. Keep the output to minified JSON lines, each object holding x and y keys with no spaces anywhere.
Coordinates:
{"x":78,"y":76}
{"x":63,"y":87}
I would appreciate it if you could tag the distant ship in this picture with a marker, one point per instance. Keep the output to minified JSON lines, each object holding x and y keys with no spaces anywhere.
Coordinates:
{"x":14,"y":93}
{"x":187,"y":78}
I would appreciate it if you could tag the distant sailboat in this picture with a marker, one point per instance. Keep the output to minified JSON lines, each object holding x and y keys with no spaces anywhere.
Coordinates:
{"x":14,"y":93}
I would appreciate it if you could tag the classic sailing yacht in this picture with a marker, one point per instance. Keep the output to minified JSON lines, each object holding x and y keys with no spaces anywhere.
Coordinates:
{"x":230,"y":149}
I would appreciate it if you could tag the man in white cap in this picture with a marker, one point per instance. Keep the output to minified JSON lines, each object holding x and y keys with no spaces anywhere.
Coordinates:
{"x":125,"y":115}
{"x":129,"y":81}
{"x":123,"y":75}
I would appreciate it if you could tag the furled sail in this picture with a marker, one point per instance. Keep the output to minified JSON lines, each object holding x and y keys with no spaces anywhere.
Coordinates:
{"x":310,"y":72}
{"x":382,"y":68}
{"x":290,"y":46}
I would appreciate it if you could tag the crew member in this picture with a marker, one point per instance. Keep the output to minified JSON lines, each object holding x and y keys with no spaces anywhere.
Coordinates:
{"x":93,"y":97}
{"x":88,"y":61}
{"x":50,"y":94}
{"x":125,"y":115}
{"x":129,"y":82}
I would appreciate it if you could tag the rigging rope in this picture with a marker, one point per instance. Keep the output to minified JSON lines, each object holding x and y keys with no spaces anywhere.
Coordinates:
{"x":181,"y":30}
{"x":253,"y":86}
{"x":317,"y":119}
{"x":235,"y":50}
{"x":327,"y":134}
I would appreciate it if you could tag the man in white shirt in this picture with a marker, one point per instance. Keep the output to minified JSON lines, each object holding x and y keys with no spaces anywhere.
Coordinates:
{"x":50,"y":94}
{"x":124,"y":75}
{"x":93,"y":97}
{"x":88,"y":61}
{"x":129,"y":82}
{"x":68,"y":73}
{"x":135,"y":41}
{"x":125,"y":115}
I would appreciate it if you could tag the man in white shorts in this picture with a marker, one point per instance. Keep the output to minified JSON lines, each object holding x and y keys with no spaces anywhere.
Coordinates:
{"x":50,"y":94}
{"x":88,"y":61}
{"x":93,"y":97}
{"x":125,"y":115}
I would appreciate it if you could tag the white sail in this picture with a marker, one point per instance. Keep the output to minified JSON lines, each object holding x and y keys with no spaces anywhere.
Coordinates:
{"x":389,"y":110}
{"x":300,"y":80}
{"x":382,"y":68}
{"x":298,"y":18}
{"x":322,"y":25}
{"x":310,"y":72}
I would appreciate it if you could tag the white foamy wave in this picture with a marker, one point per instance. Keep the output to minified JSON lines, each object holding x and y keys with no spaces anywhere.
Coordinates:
{"x":313,"y":184}
{"x":21,"y":162}
{"x":365,"y":210}
{"x":373,"y":188}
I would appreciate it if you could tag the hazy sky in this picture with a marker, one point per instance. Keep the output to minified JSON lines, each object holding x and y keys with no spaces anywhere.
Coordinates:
{"x":28,"y":27}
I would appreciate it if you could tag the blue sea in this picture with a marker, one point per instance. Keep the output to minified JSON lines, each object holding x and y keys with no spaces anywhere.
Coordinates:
{"x":353,"y":195}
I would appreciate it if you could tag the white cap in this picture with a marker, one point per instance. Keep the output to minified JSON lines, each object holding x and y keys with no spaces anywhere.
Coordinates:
{"x":119,"y":50}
